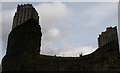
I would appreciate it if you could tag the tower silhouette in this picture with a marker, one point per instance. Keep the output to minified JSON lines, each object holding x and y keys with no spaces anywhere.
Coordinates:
{"x":23,"y":13}
{"x":109,"y":35}
{"x":24,"y":40}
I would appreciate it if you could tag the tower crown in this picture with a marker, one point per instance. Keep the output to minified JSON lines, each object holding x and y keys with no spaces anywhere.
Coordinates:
{"x":23,"y":13}
{"x":109,"y":35}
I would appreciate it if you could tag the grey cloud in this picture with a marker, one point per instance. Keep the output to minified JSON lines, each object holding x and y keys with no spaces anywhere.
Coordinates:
{"x":94,"y":19}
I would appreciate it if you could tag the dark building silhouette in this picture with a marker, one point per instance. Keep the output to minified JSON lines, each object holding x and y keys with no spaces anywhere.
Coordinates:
{"x":109,"y":35}
{"x":24,"y":12}
{"x":23,"y":49}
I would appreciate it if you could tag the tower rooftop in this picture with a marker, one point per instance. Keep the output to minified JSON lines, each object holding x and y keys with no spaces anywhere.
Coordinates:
{"x":23,"y":13}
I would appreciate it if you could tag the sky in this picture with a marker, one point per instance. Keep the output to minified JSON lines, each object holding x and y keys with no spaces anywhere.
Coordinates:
{"x":60,"y":0}
{"x":68,"y":28}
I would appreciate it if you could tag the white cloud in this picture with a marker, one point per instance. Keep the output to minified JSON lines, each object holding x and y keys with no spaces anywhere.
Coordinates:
{"x":54,"y":32}
{"x":52,"y":16}
{"x":52,"y":10}
{"x":59,"y":15}
{"x":51,"y":13}
{"x":92,"y":17}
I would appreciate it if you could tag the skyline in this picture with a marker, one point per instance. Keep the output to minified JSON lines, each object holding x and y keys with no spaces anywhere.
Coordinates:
{"x":61,"y":31}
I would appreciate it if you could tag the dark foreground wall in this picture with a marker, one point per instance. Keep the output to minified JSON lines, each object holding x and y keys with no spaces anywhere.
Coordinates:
{"x":23,"y":54}
{"x":23,"y":44}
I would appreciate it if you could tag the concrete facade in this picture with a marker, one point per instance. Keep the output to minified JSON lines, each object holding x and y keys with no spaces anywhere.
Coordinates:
{"x":109,"y":35}
{"x":23,"y":13}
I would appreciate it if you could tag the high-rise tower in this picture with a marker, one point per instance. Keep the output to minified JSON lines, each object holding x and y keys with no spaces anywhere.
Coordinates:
{"x":109,"y":35}
{"x":23,"y":13}
{"x":24,"y":41}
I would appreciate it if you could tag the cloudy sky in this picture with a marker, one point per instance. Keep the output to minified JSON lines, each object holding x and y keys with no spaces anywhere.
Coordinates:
{"x":69,"y":28}
{"x":60,"y":0}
